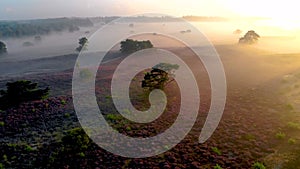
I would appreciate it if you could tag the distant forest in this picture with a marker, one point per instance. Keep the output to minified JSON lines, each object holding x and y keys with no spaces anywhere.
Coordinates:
{"x":23,"y":28}
{"x":11,"y":29}
{"x":204,"y":18}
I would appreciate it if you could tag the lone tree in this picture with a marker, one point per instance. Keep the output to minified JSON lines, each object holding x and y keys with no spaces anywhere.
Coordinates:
{"x":250,"y":37}
{"x":131,"y":46}
{"x":82,"y":44}
{"x":3,"y":48}
{"x":21,"y":91}
{"x":159,"y":76}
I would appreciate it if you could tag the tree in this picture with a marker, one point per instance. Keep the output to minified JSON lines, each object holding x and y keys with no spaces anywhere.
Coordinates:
{"x":159,"y":76}
{"x":3,"y":48}
{"x":131,"y":46}
{"x":21,"y":91}
{"x":250,"y":37}
{"x":82,"y":44}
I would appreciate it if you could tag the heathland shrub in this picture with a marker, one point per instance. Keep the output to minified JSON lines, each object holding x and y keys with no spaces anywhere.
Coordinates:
{"x":76,"y":139}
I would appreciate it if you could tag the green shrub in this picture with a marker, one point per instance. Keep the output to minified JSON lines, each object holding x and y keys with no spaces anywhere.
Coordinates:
{"x":258,"y":165}
{"x":217,"y":167}
{"x":5,"y":158}
{"x":113,"y":117}
{"x":249,"y":137}
{"x":76,"y":140}
{"x":63,"y":102}
{"x":67,"y":115}
{"x":280,"y":135}
{"x":85,"y":73}
{"x":81,"y":154}
{"x":128,"y":128}
{"x":216,"y":150}
{"x":2,"y":123}
{"x":28,"y":148}
{"x":292,"y":141}
{"x":289,"y":107}
{"x":292,"y":125}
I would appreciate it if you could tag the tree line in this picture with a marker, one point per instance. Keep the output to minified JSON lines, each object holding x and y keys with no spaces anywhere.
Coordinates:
{"x":15,"y":29}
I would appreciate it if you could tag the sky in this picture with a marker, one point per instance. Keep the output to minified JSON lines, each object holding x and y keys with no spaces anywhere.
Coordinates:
{"x":31,"y":9}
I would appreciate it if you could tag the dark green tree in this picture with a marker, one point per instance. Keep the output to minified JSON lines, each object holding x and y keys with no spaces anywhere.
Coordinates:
{"x":21,"y":91}
{"x":131,"y":46}
{"x":159,"y":76}
{"x":250,"y":37}
{"x":82,"y":44}
{"x":3,"y":48}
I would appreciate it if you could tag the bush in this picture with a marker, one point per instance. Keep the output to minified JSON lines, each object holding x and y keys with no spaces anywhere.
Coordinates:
{"x":216,"y":150}
{"x":85,"y":74}
{"x":21,"y":91}
{"x":258,"y":165}
{"x":294,"y":126}
{"x":217,"y":167}
{"x":28,"y":148}
{"x":76,"y":140}
{"x":292,"y":141}
{"x":280,"y":135}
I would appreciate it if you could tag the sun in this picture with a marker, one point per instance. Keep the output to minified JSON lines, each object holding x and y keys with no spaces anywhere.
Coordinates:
{"x":287,"y":24}
{"x":284,"y":14}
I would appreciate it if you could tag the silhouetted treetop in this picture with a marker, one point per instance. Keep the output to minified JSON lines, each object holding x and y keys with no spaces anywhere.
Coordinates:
{"x":250,"y":37}
{"x":159,"y":76}
{"x":82,"y":44}
{"x":3,"y":48}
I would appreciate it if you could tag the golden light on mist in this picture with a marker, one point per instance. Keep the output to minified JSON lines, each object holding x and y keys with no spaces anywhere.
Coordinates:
{"x":284,"y":14}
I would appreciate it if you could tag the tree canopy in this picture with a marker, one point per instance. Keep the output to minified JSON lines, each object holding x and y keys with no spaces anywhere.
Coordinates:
{"x":159,"y":76}
{"x":3,"y":48}
{"x":250,"y":37}
{"x":82,"y":44}
{"x":131,"y":46}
